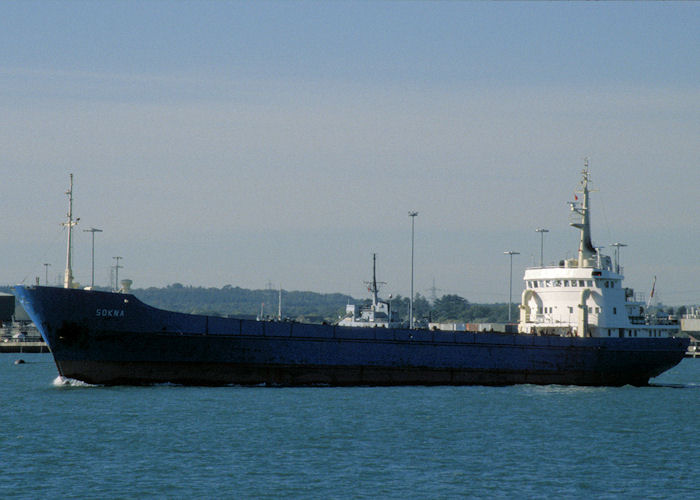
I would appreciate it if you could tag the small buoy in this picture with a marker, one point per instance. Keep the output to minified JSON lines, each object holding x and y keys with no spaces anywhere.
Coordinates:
{"x":19,"y":361}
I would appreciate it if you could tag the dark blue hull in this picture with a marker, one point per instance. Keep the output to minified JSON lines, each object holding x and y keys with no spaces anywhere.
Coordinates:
{"x":110,"y":338}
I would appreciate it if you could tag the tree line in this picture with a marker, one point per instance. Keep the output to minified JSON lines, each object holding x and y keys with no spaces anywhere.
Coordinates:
{"x":311,"y":306}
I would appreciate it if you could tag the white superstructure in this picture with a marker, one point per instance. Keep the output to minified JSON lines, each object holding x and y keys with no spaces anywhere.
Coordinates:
{"x":584,"y":296}
{"x":376,"y":314}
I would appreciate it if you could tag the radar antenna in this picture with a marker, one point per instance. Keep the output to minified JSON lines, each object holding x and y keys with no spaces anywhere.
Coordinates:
{"x":617,"y":256}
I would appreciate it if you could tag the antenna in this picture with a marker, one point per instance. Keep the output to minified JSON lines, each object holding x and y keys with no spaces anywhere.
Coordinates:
{"x":617,"y":255}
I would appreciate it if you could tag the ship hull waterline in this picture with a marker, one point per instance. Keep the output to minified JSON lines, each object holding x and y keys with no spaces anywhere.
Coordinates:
{"x":114,"y":339}
{"x":208,"y":374}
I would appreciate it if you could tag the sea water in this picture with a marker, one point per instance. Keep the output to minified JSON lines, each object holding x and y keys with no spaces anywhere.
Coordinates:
{"x":62,"y":440}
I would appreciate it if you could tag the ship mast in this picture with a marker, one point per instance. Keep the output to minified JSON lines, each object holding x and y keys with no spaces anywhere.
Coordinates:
{"x":374,"y":285}
{"x":585,"y":248}
{"x":68,"y":277}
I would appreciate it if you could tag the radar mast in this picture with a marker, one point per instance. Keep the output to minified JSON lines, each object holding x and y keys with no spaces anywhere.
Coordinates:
{"x":374,"y":284}
{"x":586,"y":251}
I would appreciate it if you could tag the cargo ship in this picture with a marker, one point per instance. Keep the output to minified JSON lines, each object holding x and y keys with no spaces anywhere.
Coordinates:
{"x":113,"y":338}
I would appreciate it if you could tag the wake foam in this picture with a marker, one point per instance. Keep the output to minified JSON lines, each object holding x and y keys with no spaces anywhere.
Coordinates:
{"x":62,"y":381}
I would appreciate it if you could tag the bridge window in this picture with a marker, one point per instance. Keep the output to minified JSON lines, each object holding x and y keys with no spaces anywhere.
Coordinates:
{"x":614,"y":310}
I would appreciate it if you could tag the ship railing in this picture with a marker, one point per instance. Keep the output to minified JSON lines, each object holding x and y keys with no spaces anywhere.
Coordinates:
{"x":546,"y":266}
{"x":661,"y":320}
{"x":549,"y":319}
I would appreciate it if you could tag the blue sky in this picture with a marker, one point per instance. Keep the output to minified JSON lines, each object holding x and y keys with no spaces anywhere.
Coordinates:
{"x":285,"y":142}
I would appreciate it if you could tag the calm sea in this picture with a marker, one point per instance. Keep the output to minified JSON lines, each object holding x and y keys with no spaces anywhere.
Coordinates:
{"x":63,"y":441}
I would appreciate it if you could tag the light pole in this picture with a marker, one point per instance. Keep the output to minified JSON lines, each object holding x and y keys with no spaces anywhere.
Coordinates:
{"x":93,"y":231}
{"x":541,"y":230}
{"x":510,"y":293}
{"x":412,"y":215}
{"x":116,"y":270}
{"x":46,"y":277}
